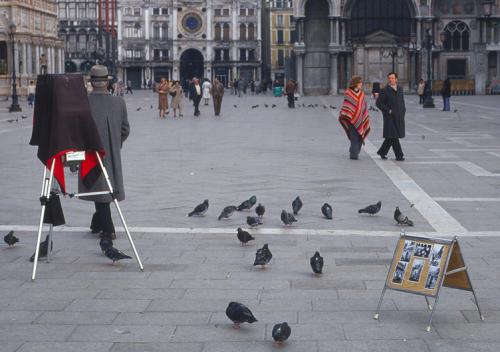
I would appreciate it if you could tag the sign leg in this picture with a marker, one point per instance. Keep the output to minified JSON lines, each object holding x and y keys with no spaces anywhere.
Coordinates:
{"x":481,"y":316}
{"x":428,"y":329}
{"x":376,"y":316}
{"x":429,"y":305}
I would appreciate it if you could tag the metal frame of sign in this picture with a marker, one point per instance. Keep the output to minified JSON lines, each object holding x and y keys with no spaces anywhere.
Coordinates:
{"x":453,"y":250}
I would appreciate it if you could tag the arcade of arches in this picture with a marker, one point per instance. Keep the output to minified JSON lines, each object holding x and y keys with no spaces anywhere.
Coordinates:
{"x":340,"y":38}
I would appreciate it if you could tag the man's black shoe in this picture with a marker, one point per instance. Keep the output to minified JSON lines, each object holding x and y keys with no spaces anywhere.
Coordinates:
{"x":382,"y":156}
{"x":400,"y":159}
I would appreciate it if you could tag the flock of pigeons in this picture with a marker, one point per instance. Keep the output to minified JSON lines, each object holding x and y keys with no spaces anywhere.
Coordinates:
{"x":237,"y":312}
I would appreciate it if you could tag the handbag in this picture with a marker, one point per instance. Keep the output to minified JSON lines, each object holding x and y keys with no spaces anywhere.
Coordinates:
{"x":172,"y":94}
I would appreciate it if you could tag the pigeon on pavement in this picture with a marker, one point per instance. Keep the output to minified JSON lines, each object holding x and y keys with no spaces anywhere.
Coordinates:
{"x":296,"y":205}
{"x":260,"y":210}
{"x":287,"y":218}
{"x":227,"y":212}
{"x":326,"y":210}
{"x":115,"y":255}
{"x":245,"y":205}
{"x":281,"y":332}
{"x":200,"y":209}
{"x":105,"y":243}
{"x":239,"y":313}
{"x":372,"y":209}
{"x":138,"y":109}
{"x":263,"y":256}
{"x":401,"y":219}
{"x":317,"y":263}
{"x":10,"y":239}
{"x":244,"y":236}
{"x":42,"y":252}
{"x":254,"y":221}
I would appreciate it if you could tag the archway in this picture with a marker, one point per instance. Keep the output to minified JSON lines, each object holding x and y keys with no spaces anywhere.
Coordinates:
{"x":191,"y":64}
{"x":70,"y":67}
{"x":317,"y":57}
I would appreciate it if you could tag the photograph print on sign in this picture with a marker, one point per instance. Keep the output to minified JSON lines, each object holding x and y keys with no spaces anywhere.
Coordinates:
{"x":408,"y":248}
{"x":436,"y":254}
{"x":422,"y":250}
{"x":416,"y":270}
{"x":432,"y":278}
{"x":399,"y":273}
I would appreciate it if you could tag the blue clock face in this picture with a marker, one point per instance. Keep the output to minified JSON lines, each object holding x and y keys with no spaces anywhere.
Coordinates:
{"x":191,"y":22}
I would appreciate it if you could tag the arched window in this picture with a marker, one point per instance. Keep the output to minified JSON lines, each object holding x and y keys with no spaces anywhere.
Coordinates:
{"x":251,"y":31}
{"x":456,"y":36}
{"x":164,"y":30}
{"x":369,"y":16}
{"x":156,"y":30}
{"x":217,"y":32}
{"x":225,"y":31}
{"x":243,"y":32}
{"x":71,"y":42}
{"x":82,"y":40}
{"x":92,"y":42}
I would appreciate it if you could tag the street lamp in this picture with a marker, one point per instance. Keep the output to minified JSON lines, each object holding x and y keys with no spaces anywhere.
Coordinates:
{"x":14,"y":107}
{"x":428,"y":101}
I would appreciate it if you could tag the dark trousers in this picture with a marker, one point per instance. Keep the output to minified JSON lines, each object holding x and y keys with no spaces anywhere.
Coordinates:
{"x":396,"y":147}
{"x":101,"y":220}
{"x":196,"y":103}
{"x":291,"y":100}
{"x":421,"y":100}
{"x":356,"y":142}
{"x":217,"y":104}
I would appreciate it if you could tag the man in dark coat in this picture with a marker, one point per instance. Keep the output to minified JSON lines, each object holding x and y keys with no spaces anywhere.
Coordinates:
{"x":446,"y":94}
{"x":195,"y":93}
{"x":217,"y":92}
{"x":110,"y":116}
{"x":392,"y":104}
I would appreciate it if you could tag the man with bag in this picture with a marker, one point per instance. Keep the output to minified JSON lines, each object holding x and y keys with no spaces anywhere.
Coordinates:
{"x":290,"y":90}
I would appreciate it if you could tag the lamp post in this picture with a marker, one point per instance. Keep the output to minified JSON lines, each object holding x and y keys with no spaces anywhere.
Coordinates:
{"x":428,"y":100}
{"x":14,"y":107}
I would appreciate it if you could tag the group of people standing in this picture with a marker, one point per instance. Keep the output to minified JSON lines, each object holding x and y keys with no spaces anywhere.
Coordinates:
{"x":445,"y":92}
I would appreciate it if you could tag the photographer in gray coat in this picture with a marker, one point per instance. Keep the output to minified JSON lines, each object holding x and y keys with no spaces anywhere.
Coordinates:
{"x":110,"y":116}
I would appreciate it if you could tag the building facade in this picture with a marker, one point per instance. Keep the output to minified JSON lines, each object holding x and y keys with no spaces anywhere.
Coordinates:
{"x":340,"y":38}
{"x":181,"y":39}
{"x":78,"y":29}
{"x":35,"y":38}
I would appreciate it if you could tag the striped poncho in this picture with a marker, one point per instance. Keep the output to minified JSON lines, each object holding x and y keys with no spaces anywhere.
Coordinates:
{"x":354,"y":112}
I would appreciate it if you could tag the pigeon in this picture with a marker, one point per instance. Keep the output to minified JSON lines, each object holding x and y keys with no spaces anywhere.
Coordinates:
{"x":42,"y":252}
{"x":281,"y":332}
{"x":372,"y":209}
{"x":105,"y":243}
{"x":296,"y":205}
{"x":227,"y":212}
{"x":273,"y":106}
{"x":326,"y":209}
{"x":10,"y":239}
{"x":239,"y":313}
{"x":138,"y":109}
{"x":151,"y":106}
{"x":253,"y":200}
{"x":317,"y":263}
{"x":24,"y":117}
{"x":235,"y":106}
{"x":401,"y":219}
{"x":247,"y":204}
{"x":266,"y":105}
{"x":244,"y":236}
{"x":255,"y":106}
{"x":115,"y":255}
{"x":11,"y":120}
{"x":263,"y":256}
{"x":324,"y":107}
{"x":287,"y":218}
{"x":260,"y":210}
{"x":200,"y":209}
{"x":333,"y":107}
{"x":254,"y":221}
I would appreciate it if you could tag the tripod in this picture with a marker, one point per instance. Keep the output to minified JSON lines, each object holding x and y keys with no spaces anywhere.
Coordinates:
{"x":45,"y":196}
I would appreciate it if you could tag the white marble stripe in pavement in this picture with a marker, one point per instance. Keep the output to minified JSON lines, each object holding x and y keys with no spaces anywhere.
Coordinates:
{"x":465,"y":199}
{"x":261,"y":231}
{"x":468,"y":166}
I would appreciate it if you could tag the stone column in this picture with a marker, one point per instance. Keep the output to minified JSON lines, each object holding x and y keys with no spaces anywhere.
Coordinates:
{"x":259,"y":24}
{"x":333,"y":74}
{"x":61,"y":60}
{"x":146,"y":24}
{"x":37,"y":57}
{"x":343,"y":32}
{"x":25,"y":60}
{"x":17,"y":47}
{"x":29,"y":59}
{"x":300,"y":73}
{"x":419,"y":32}
{"x":332,"y":30}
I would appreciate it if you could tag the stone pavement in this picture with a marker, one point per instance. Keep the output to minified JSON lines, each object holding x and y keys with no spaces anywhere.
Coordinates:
{"x":195,"y":266}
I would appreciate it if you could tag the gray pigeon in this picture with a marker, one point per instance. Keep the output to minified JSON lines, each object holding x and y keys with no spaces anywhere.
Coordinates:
{"x":200,"y":209}
{"x":401,"y":219}
{"x":105,"y":243}
{"x":227,"y":212}
{"x":326,"y":210}
{"x":296,"y":205}
{"x":281,"y":332}
{"x":254,"y":221}
{"x":10,"y":239}
{"x":115,"y":255}
{"x":244,"y":236}
{"x":287,"y":218}
{"x":260,"y":210}
{"x":248,"y":204}
{"x":42,"y":252}
{"x":239,"y":313}
{"x":372,"y":209}
{"x":317,"y":263}
{"x":263,"y":256}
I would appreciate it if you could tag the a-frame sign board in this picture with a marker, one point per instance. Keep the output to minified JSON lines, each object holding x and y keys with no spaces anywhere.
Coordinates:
{"x":422,"y":265}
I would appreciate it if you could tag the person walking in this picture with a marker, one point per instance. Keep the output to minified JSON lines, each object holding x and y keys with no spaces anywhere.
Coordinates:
{"x":110,"y":117}
{"x":31,"y":93}
{"x":176,"y":93}
{"x":290,"y":90}
{"x":354,"y":116}
{"x":129,"y":87}
{"x":421,"y":90}
{"x":217,"y":94}
{"x":241,"y":86}
{"x":195,"y":95}
{"x":446,"y":94}
{"x":163,"y":90}
{"x":392,"y":104}
{"x":206,"y":86}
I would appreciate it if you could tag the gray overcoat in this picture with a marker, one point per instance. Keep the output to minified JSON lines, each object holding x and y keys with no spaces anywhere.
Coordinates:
{"x":394,"y":101}
{"x":110,"y":116}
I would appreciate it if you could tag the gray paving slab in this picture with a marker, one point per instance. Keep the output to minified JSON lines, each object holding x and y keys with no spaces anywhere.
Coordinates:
{"x":156,"y":347}
{"x":122,"y":333}
{"x":76,"y":318}
{"x":225,"y":332}
{"x":258,"y":346}
{"x":462,"y":346}
{"x":33,"y":332}
{"x":412,"y":345}
{"x":65,"y":347}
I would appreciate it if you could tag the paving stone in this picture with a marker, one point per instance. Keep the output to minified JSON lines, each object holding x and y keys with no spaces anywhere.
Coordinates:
{"x":471,"y":331}
{"x":315,"y":284}
{"x":33,"y":332}
{"x":156,"y":347}
{"x":36,"y":304}
{"x":108,"y":305}
{"x":264,"y":317}
{"x":76,"y":318}
{"x":351,"y":304}
{"x":139,"y":293}
{"x":223,"y":332}
{"x":387,"y":331}
{"x":258,"y":346}
{"x":18,"y":316}
{"x":462,"y":346}
{"x":163,"y":318}
{"x":409,"y":345}
{"x":230,"y":284}
{"x":355,"y":262}
{"x":122,"y":333}
{"x":228,"y":294}
{"x":10,"y":346}
{"x":65,"y":347}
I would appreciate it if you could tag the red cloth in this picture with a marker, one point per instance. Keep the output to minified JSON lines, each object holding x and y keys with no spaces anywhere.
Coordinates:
{"x":354,"y":112}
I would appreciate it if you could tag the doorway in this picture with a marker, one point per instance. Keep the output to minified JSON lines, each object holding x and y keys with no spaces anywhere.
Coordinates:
{"x":191,"y":64}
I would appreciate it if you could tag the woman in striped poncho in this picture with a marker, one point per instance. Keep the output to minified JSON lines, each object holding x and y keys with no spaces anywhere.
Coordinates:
{"x":354,"y":116}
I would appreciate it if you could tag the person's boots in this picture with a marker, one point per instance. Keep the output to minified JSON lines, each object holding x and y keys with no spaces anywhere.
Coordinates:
{"x":109,"y":236}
